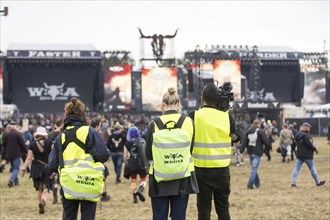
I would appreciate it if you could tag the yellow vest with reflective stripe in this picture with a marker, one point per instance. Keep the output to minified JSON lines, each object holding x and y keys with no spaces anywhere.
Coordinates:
{"x":172,"y":160}
{"x":212,"y":142}
{"x":81,"y":178}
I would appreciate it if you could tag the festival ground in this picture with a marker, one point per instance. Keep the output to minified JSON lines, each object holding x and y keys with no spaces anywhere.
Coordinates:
{"x":274,"y":200}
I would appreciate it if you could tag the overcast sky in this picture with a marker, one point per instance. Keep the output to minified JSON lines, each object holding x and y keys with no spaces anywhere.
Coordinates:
{"x":112,"y":25}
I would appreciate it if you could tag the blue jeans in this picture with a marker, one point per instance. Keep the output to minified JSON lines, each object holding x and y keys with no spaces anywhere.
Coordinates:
{"x":254,"y":178}
{"x":117,"y":159}
{"x":15,"y":164}
{"x":310,"y":164}
{"x":160,"y":207}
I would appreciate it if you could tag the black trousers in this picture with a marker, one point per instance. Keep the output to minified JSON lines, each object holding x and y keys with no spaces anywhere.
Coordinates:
{"x":213,"y":182}
{"x":71,"y":207}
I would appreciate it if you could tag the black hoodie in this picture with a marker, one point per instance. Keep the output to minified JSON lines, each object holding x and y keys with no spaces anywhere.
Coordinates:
{"x":305,"y":147}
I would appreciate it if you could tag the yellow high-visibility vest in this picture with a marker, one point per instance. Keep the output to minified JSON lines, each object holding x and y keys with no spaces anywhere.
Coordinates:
{"x":212,"y":142}
{"x":171,"y":150}
{"x":81,"y":178}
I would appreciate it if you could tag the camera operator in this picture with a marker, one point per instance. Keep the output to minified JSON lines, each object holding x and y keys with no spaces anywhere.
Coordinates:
{"x":214,"y":132}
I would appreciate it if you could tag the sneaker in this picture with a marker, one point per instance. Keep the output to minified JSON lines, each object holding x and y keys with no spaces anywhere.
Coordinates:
{"x":118,"y":181}
{"x":250,"y":187}
{"x":321,"y":183}
{"x":293,"y":185}
{"x":10,"y":184}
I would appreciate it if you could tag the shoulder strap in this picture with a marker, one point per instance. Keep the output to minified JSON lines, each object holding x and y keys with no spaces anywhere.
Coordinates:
{"x":178,"y":124}
{"x":180,"y":121}
{"x":159,"y":123}
{"x":70,"y":136}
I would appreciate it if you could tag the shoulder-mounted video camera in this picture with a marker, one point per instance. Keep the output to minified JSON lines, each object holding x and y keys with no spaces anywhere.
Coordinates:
{"x":225,"y":96}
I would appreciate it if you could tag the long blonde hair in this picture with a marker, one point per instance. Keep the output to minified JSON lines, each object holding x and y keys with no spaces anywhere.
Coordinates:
{"x":171,"y":98}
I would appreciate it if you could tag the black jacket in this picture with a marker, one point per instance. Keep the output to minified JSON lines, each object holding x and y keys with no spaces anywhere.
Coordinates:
{"x":305,"y":146}
{"x":261,"y":140}
{"x":116,"y":141}
{"x":13,"y":143}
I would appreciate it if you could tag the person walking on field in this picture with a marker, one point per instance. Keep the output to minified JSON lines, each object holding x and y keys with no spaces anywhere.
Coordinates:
{"x":136,"y":163}
{"x":171,"y":174}
{"x":78,"y":156}
{"x":254,"y":141}
{"x":286,"y":139}
{"x":305,"y":153}
{"x":14,"y":148}
{"x":116,"y":144}
{"x":215,"y":130}
{"x":38,"y":153}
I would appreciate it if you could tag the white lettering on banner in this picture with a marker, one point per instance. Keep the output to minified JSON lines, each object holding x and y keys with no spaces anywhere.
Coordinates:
{"x":35,"y":91}
{"x":70,"y":91}
{"x":77,"y":54}
{"x":273,"y":55}
{"x":116,"y":68}
{"x":56,"y":54}
{"x":257,"y":105}
{"x":52,"y":92}
{"x":269,"y":96}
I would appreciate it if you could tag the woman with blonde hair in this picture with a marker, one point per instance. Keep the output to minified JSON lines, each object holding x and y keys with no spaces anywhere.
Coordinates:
{"x":170,"y":193}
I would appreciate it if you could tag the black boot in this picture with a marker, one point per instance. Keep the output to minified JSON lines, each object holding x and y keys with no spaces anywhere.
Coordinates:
{"x":139,"y":193}
{"x":135,"y":200}
{"x":54,"y":195}
{"x":105,"y":197}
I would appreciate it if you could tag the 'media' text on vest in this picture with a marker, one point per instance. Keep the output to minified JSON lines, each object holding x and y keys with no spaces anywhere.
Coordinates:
{"x":86,"y":180}
{"x":173,"y":158}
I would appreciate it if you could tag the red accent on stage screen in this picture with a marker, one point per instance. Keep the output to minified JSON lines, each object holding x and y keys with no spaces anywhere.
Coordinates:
{"x":229,"y":71}
{"x":117,"y":88}
{"x":155,"y":82}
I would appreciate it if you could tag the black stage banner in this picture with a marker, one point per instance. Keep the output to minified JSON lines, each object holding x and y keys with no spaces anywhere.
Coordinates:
{"x":42,"y":54}
{"x":42,"y":88}
{"x":222,"y":55}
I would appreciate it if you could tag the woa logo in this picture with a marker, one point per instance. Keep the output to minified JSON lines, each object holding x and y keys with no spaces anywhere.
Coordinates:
{"x":52,"y":92}
{"x":173,"y":158}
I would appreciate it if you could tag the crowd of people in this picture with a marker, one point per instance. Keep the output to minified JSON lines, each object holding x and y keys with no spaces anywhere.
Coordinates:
{"x":176,"y":154}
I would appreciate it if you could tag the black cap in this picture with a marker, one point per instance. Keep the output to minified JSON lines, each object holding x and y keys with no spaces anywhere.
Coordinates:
{"x":13,"y":123}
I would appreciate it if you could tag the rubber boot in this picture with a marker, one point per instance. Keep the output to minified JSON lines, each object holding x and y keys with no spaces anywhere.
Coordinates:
{"x":135,"y":200}
{"x":139,"y":193}
{"x":54,"y":195}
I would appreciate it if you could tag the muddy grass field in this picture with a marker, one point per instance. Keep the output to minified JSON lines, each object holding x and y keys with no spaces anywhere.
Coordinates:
{"x":274,"y":200}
